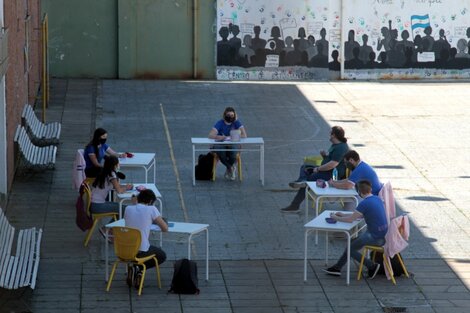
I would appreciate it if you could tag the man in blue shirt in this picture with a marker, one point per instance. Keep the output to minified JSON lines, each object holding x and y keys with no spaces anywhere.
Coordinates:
{"x":360,"y":170}
{"x":373,"y":212}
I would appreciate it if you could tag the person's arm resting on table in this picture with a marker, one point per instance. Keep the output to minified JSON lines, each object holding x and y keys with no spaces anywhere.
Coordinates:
{"x":213,"y":135}
{"x":341,"y":184}
{"x":346,"y":217}
{"x":161,"y":223}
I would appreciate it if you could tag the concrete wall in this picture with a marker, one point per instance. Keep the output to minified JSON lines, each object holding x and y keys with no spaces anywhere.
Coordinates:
{"x":370,"y":39}
{"x":155,"y":39}
{"x":130,"y":39}
{"x":21,"y":18}
{"x":82,"y":37}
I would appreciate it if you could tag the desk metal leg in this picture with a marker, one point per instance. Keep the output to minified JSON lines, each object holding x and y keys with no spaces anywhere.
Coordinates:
{"x":261,"y":163}
{"x":106,"y":275}
{"x":207,"y":254}
{"x":305,"y":255}
{"x":348,"y":263}
{"x":306,"y":203}
{"x":326,"y":249}
{"x":194,"y":166}
{"x":146,"y":174}
{"x":317,"y":201}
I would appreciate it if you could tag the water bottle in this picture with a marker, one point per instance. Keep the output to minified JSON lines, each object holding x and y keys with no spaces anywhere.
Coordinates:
{"x":335,"y":174}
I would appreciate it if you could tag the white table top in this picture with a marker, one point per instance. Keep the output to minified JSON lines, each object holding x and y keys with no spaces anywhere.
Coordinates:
{"x":208,"y":141}
{"x":331,"y":191}
{"x":320,"y":223}
{"x":138,"y":159}
{"x":128,"y":194}
{"x":178,"y":227}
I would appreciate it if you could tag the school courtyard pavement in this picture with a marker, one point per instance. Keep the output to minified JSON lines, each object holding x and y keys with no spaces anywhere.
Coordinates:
{"x":416,"y":134}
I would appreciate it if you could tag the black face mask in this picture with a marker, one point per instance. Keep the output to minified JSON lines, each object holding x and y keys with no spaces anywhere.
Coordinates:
{"x":229,"y":119}
{"x":350,"y":166}
{"x":102,"y":141}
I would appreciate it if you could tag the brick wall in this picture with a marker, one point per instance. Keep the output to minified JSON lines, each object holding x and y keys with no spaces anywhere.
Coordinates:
{"x":22,"y":18}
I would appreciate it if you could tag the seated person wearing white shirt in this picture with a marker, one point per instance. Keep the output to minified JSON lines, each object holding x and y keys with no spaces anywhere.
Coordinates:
{"x":141,"y":216}
{"x":360,"y":170}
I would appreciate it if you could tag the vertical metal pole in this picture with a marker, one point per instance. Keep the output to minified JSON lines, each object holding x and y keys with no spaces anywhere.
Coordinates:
{"x":43,"y":28}
{"x":195,"y":37}
{"x":341,"y":45}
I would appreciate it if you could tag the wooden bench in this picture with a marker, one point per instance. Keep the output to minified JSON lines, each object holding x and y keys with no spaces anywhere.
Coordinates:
{"x":19,"y":270}
{"x":41,"y":134}
{"x":34,"y":157}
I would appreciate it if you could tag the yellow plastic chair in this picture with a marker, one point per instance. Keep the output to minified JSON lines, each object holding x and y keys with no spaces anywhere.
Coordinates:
{"x":126,"y":246}
{"x":376,"y":249}
{"x":239,"y":166}
{"x":97,"y":216}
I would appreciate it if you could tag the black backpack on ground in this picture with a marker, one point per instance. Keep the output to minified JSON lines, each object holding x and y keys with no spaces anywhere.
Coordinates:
{"x":184,"y":277}
{"x":204,"y":166}
{"x":396,"y":266}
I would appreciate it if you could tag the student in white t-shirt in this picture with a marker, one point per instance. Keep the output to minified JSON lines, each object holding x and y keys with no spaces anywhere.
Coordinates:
{"x":141,"y":216}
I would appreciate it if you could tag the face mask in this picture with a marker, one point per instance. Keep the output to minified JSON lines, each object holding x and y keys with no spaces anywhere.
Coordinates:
{"x":350,"y":166}
{"x":229,"y":119}
{"x":102,"y":141}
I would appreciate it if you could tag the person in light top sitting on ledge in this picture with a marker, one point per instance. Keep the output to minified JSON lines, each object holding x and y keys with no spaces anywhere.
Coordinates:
{"x":221,"y":132}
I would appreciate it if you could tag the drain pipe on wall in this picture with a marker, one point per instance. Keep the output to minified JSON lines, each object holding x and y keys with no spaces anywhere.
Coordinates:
{"x":195,"y":37}
{"x":341,"y":45}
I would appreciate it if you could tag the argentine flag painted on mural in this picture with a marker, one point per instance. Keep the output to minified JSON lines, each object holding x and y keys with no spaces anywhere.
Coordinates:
{"x":419,"y":21}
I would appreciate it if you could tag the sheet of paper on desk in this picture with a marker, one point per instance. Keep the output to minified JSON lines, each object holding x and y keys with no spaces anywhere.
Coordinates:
{"x":154,"y":227}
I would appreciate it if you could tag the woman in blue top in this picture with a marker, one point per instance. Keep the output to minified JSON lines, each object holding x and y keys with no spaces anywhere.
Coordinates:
{"x":221,"y":132}
{"x":95,"y":152}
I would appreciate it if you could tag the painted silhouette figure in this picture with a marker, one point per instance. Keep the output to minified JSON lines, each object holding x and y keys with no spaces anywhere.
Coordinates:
{"x":319,"y":60}
{"x":371,"y":63}
{"x":387,"y":37}
{"x":223,"y":47}
{"x":323,"y":42}
{"x":303,"y":43}
{"x":440,"y":45}
{"x":462,"y":48}
{"x":365,"y":50}
{"x":349,"y":46}
{"x":235,"y":42}
{"x":289,"y":42}
{"x":279,"y":43}
{"x":257,"y":42}
{"x":246,"y":53}
{"x":296,"y":57}
{"x":428,"y":40}
{"x":312,"y":49}
{"x":383,"y":60}
{"x":395,"y":58}
{"x":355,"y":62}
{"x":404,"y":42}
{"x":334,"y":65}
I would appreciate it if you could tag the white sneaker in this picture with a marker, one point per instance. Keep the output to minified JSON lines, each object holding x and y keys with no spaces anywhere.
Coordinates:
{"x":228,"y":175}
{"x":233,"y":175}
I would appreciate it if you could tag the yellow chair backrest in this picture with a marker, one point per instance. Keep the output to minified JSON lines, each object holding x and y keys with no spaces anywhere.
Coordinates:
{"x":86,"y":197}
{"x":126,"y":242}
{"x":314,"y":160}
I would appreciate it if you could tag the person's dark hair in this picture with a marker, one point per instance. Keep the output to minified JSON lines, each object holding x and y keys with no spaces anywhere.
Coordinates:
{"x":338,"y":131}
{"x":95,"y":141}
{"x":108,"y":168}
{"x":352,"y":154}
{"x":364,"y":187}
{"x":230,"y":109}
{"x":146,"y":196}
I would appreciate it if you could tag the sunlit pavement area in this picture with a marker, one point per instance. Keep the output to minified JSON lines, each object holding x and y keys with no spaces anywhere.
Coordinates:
{"x":415,"y":134}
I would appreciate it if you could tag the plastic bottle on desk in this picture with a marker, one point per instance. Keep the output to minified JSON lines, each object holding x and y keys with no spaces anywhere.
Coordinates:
{"x":334,"y":175}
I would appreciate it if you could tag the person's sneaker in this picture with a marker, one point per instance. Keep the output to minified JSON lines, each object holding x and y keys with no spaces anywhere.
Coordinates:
{"x":233,"y":175}
{"x":130,"y":275}
{"x":228,"y":174}
{"x":290,"y":209}
{"x":297,"y":184}
{"x":137,"y":277}
{"x":374,"y":270}
{"x":332,"y":271}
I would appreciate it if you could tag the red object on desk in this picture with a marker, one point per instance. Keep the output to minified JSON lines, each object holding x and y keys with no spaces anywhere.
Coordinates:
{"x":129,"y":155}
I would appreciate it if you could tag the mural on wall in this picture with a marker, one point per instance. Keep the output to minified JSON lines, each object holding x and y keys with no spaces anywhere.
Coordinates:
{"x":273,"y":40}
{"x":305,"y":39}
{"x":406,"y":39}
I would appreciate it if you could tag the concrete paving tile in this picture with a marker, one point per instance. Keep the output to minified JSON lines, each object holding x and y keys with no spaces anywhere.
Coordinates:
{"x":269,"y":309}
